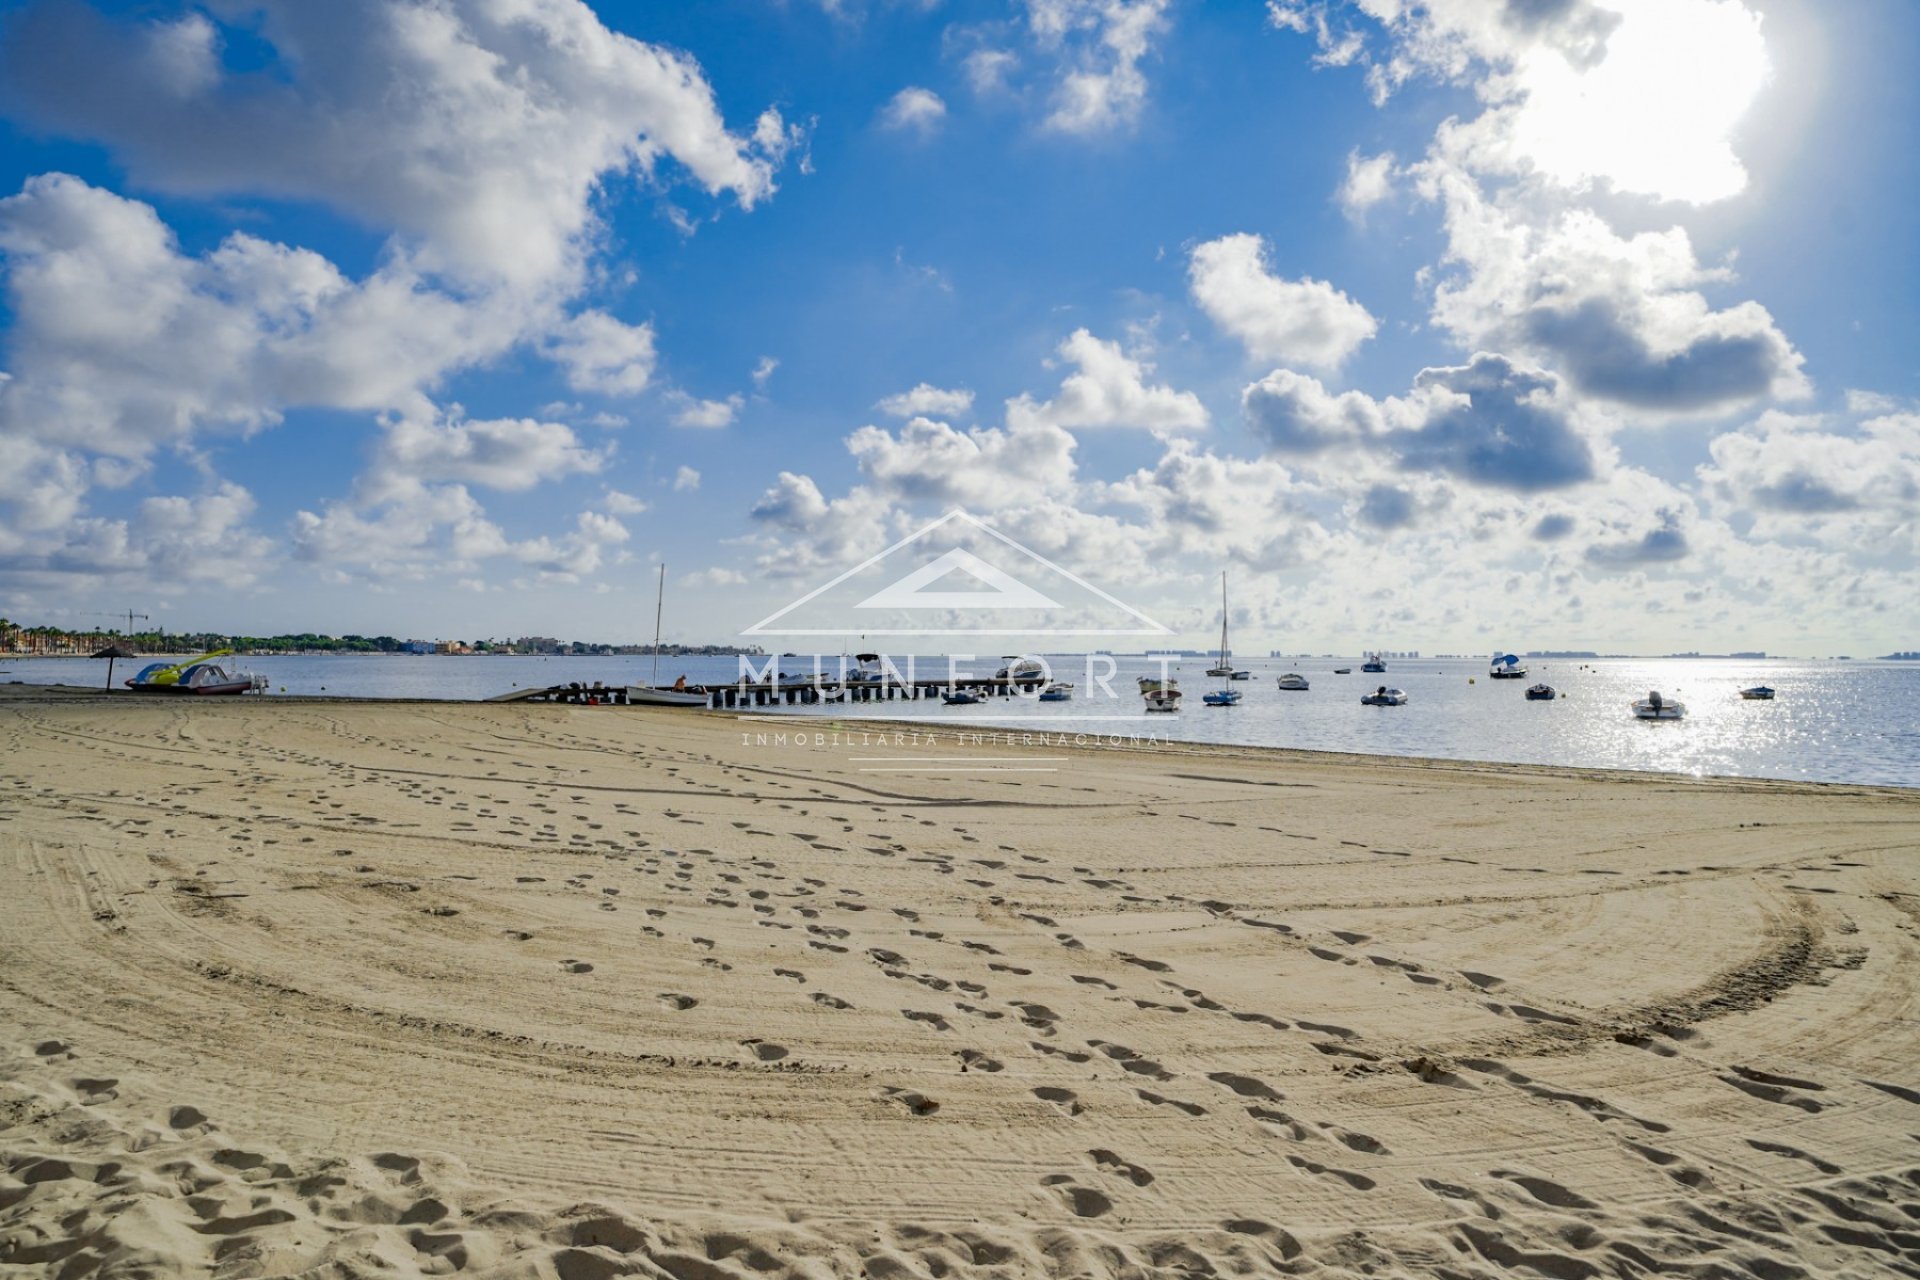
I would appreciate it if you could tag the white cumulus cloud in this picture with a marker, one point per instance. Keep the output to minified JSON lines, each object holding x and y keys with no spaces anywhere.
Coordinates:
{"x":601,"y":353}
{"x":1109,"y":390}
{"x":479,"y":130}
{"x":927,"y":400}
{"x":1369,"y":181}
{"x":914,"y":110}
{"x":1101,"y":44}
{"x":1302,"y":321}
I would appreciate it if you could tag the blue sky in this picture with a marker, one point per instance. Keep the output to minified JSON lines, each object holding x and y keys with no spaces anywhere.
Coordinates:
{"x":1544,"y":324}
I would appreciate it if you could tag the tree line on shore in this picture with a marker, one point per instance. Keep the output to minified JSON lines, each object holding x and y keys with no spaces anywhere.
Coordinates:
{"x":17,"y":639}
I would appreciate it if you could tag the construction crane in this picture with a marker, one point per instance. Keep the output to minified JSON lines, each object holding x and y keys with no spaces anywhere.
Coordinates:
{"x":129,"y":615}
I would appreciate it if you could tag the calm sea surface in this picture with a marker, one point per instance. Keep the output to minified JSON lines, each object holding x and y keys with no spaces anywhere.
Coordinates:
{"x":1832,"y":721}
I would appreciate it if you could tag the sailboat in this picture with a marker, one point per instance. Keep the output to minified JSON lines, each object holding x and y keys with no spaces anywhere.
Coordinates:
{"x":651,"y":694}
{"x":1223,"y":696}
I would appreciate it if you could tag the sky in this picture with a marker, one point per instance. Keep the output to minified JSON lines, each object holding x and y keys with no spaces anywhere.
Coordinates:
{"x":1451,"y":326}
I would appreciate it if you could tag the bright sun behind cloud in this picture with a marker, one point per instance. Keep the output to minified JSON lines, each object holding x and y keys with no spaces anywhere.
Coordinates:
{"x":1656,"y":114}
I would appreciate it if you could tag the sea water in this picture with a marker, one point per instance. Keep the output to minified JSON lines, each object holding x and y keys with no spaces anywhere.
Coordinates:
{"x":1833,"y":721}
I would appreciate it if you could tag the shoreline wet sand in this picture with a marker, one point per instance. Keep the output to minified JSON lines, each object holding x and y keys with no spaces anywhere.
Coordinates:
{"x":342,"y":988}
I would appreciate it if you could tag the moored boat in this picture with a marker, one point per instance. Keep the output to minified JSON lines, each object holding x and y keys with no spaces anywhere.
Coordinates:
{"x":1374,"y":663}
{"x":1221,"y":698}
{"x":1022,"y":670}
{"x":1385,"y":696}
{"x":643,"y":695}
{"x":1506,"y":666}
{"x":1293,"y":681}
{"x":1656,"y":707}
{"x":1164,"y":701}
{"x":959,"y":698}
{"x":1759,"y":693}
{"x":1223,"y":665}
{"x":1058,"y":691}
{"x":679,"y":693}
{"x":1541,"y":693}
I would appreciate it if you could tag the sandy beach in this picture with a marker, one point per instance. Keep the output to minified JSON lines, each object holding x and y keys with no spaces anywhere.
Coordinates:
{"x":334,"y":990}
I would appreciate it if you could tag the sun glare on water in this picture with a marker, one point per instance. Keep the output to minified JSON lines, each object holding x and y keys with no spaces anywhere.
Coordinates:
{"x":1655,"y":116}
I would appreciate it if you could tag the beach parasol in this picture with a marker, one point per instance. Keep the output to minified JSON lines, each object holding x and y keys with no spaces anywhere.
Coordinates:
{"x":111,"y":653}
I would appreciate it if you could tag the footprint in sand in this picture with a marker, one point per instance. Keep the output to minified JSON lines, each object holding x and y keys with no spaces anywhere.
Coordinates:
{"x":974,"y":1060}
{"x":1330,"y":1029}
{"x":1772,"y":1093}
{"x":1792,"y":1153}
{"x":1160,"y":1100}
{"x":1355,"y":1141}
{"x":831,"y":1002}
{"x":1785,"y":1082}
{"x":1545,"y":1190}
{"x":674,"y":1000}
{"x":1264,"y":1019}
{"x":1358,"y":1181}
{"x":765,"y":1050}
{"x":1112,"y":1163}
{"x":94,"y":1092}
{"x":1246,"y":1086}
{"x":576,"y":966}
{"x":1083,"y":1202}
{"x":1065,"y":1099}
{"x":914,"y":1101}
{"x":1280,"y":1119}
{"x":933,"y":1020}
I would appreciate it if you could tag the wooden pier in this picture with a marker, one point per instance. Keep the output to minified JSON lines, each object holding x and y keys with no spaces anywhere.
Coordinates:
{"x":791,"y":693}
{"x":809,"y":692}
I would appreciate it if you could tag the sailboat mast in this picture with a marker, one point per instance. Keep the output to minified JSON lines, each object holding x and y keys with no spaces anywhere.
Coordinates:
{"x":659,"y":603}
{"x":1223,"y":617}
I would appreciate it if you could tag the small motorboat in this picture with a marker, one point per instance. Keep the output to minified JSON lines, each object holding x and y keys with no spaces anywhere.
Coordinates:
{"x":1293,"y":681}
{"x":1163,"y":701}
{"x":1506,"y":666}
{"x":1374,"y":663}
{"x":1759,"y":693}
{"x":1021,"y":670}
{"x":1385,"y":697}
{"x":646,"y":695}
{"x":959,"y":698}
{"x":1655,"y":707}
{"x":1058,"y":691}
{"x":1541,"y":693}
{"x":1241,"y":675}
{"x":1343,"y":671}
{"x":1222,"y":698}
{"x":1150,"y":686}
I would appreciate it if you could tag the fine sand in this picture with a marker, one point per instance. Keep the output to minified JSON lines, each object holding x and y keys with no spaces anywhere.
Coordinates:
{"x":332,"y":990}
